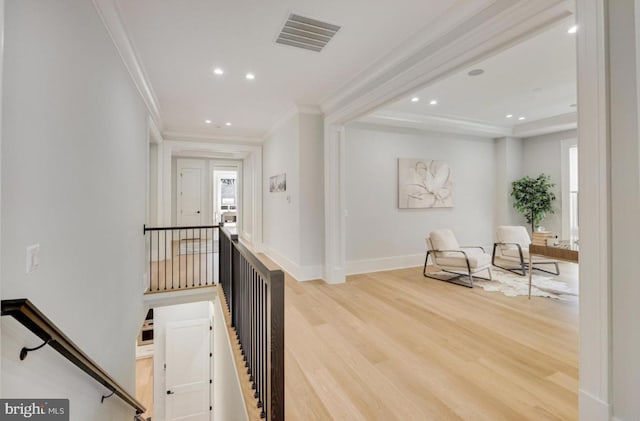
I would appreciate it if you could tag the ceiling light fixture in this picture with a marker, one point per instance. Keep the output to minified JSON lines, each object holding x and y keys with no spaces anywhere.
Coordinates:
{"x":218,"y":71}
{"x":509,"y":115}
{"x":573,"y":29}
{"x":250,"y":76}
{"x":227,"y":124}
{"x":415,"y":99}
{"x":520,"y":118}
{"x":208,"y":121}
{"x":476,"y":72}
{"x":433,"y":102}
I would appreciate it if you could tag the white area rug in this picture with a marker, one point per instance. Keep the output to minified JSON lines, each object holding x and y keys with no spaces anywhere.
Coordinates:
{"x":197,"y":247}
{"x":513,"y":285}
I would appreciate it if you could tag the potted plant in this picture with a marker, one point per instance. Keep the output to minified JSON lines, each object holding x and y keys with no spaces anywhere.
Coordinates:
{"x":533,"y":198}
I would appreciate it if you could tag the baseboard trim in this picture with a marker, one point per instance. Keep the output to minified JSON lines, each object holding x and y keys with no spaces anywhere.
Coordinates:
{"x":355,"y":267}
{"x":298,"y":272}
{"x":592,"y":408}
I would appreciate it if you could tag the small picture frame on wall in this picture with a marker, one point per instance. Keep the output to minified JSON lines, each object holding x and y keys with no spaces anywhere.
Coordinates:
{"x":278,"y":183}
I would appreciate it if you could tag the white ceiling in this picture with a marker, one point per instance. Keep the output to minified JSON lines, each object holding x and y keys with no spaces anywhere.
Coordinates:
{"x":535,"y":79}
{"x":179,"y":43}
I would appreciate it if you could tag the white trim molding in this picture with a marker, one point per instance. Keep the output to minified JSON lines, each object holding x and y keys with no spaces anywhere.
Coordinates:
{"x":385,"y":263}
{"x":292,"y":112}
{"x":297,"y":272}
{"x":548,"y":125}
{"x":594,"y":205}
{"x":109,"y":12}
{"x":202,"y":137}
{"x":461,"y":39}
{"x":436,"y":123}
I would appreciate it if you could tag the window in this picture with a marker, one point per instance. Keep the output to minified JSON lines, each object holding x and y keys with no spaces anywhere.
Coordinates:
{"x":573,"y":193}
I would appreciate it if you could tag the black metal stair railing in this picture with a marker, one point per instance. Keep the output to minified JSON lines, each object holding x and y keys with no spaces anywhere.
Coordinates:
{"x":255,"y":300}
{"x":25,"y":312}
{"x":182,"y":257}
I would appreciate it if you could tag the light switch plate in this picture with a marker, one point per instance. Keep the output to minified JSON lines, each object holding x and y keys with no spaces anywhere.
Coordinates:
{"x":33,"y":258}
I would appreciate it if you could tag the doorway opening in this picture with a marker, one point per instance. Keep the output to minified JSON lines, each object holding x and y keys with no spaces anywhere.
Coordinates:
{"x":225,"y":195}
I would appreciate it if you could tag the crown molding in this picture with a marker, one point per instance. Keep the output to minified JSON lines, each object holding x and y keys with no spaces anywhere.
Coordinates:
{"x":460,"y":41}
{"x":436,"y":123}
{"x":292,"y":112}
{"x":548,"y":125}
{"x":207,"y":138}
{"x":111,"y":17}
{"x":450,"y":124}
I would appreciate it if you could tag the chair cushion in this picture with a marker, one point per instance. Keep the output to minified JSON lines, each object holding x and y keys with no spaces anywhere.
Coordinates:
{"x":513,"y":234}
{"x":477,"y":260}
{"x":443,"y":239}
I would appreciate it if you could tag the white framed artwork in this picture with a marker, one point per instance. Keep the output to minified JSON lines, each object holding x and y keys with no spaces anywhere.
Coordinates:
{"x":424,"y":183}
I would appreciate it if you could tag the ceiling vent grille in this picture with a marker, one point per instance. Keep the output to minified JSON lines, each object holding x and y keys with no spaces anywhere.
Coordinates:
{"x":310,"y":34}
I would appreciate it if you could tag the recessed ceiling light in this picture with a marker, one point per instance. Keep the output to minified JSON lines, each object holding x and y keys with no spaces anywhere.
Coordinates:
{"x":250,"y":76}
{"x":415,"y":99}
{"x":476,"y":72}
{"x":228,"y":123}
{"x":573,"y":29}
{"x":509,"y":115}
{"x":520,"y":118}
{"x":433,"y":102}
{"x":218,"y":71}
{"x":208,"y":121}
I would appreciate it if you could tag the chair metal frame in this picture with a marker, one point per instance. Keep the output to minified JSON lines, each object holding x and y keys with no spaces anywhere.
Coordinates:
{"x":524,"y":266}
{"x":454,"y":279}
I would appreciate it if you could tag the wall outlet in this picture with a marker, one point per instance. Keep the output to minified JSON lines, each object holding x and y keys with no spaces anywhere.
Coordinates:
{"x":33,"y":258}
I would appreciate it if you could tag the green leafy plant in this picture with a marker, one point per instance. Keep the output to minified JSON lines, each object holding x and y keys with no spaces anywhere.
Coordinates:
{"x":533,"y":198}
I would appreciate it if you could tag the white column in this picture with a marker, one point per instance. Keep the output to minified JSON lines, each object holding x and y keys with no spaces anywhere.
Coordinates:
{"x":593,"y":162}
{"x":335,"y":212}
{"x":624,"y":208}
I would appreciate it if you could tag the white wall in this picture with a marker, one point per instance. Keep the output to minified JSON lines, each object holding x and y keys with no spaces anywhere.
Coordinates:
{"x":281,"y":210}
{"x":74,"y":152}
{"x":293,"y":221}
{"x":162,"y":316}
{"x":509,"y":167}
{"x":543,"y":154}
{"x":311,"y":190}
{"x":227,"y":394}
{"x":381,"y":236}
{"x":153,"y":185}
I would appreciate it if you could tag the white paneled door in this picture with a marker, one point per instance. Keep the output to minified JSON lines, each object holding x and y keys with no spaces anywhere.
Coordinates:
{"x":187,"y":371}
{"x":190,"y":192}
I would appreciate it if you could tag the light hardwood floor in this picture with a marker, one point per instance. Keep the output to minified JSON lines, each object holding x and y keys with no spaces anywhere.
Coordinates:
{"x":397,"y":346}
{"x":144,"y":384}
{"x":182,"y":271}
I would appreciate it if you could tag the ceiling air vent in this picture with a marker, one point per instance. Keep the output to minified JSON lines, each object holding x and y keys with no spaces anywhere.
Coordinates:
{"x":306,"y":33}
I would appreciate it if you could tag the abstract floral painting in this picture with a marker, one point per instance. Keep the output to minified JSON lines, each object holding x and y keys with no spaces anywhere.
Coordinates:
{"x":424,"y":183}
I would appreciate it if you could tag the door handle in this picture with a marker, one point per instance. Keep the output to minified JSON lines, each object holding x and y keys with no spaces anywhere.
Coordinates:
{"x":170,"y":392}
{"x":198,"y":212}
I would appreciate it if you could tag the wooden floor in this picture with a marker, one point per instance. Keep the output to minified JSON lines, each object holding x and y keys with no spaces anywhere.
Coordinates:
{"x":144,"y":384}
{"x":397,"y":346}
{"x":183,"y":271}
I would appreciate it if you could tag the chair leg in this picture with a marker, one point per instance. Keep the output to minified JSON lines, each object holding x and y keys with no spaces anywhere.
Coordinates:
{"x":424,"y":270}
{"x":490,"y":275}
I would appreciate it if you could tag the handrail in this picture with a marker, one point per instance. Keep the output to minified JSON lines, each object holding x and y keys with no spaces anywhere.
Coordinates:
{"x":145,"y":228}
{"x":25,"y":312}
{"x":255,"y":299}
